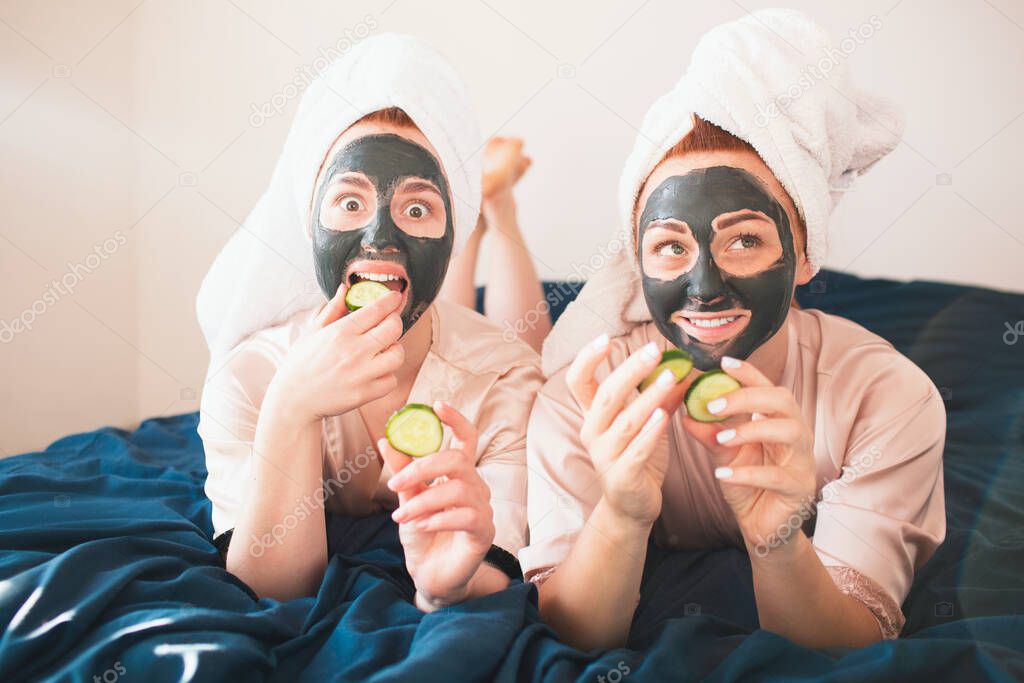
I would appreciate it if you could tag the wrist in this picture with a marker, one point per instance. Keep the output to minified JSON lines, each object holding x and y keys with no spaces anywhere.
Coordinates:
{"x":775,"y":550}
{"x":499,"y":207}
{"x":619,"y":523}
{"x":281,"y":407}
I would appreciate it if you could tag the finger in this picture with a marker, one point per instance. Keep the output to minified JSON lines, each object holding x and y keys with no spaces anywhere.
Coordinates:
{"x":387,"y":361}
{"x":367,"y":317}
{"x":452,"y":493}
{"x":470,"y":520}
{"x":772,"y":430}
{"x":580,"y":376}
{"x":424,"y":470}
{"x":383,"y":334}
{"x":705,"y":433}
{"x":396,"y":462}
{"x":380,"y":386}
{"x":747,"y":374}
{"x":768,"y":477}
{"x":770,"y":400}
{"x":333,"y":309}
{"x":463,"y":432}
{"x":613,"y":391}
{"x":629,"y":422}
{"x":636,"y":455}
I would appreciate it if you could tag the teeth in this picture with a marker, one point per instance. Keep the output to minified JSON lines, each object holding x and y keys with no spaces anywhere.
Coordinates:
{"x":377,"y":277}
{"x":711,"y":322}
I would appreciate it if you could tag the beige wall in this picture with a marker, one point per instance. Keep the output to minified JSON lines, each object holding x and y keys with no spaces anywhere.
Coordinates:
{"x":130,"y":151}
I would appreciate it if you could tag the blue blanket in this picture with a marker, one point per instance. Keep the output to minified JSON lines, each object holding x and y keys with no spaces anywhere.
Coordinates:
{"x":108,"y":570}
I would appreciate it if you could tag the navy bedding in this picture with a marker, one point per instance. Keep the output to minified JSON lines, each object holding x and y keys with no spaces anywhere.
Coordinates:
{"x":108,"y":572}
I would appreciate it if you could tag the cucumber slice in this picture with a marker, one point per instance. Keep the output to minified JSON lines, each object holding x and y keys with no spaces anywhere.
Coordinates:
{"x":415,"y":430}
{"x":364,"y":293}
{"x":676,"y":360}
{"x":706,"y":388}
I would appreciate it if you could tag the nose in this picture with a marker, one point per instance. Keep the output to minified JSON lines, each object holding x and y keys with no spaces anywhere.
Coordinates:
{"x":706,"y":284}
{"x":380,"y":237}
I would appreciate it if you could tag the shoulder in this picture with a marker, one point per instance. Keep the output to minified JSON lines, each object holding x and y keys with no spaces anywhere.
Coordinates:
{"x":471,"y":343}
{"x":865,"y":379}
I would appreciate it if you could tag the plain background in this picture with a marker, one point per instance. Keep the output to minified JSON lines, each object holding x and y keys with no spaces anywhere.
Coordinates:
{"x":129,"y":131}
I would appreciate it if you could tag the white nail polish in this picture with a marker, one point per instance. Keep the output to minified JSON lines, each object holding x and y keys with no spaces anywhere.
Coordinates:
{"x":716,"y":406}
{"x":725,"y":435}
{"x":651,"y":351}
{"x":730,"y":362}
{"x":723,"y":472}
{"x":657,"y":416}
{"x":754,"y":417}
{"x":600,"y":342}
{"x":666,"y":379}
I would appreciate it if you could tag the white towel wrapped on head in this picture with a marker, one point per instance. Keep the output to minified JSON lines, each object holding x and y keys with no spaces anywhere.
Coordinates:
{"x":265,"y":274}
{"x":761,"y":79}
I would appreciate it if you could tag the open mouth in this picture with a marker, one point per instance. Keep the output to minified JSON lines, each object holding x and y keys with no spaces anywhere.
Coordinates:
{"x":712,"y":327}
{"x":389,"y":274}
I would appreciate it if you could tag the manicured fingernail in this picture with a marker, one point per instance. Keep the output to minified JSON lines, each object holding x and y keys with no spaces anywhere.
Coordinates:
{"x":600,"y":342}
{"x":723,"y":472}
{"x":716,"y":406}
{"x":666,"y":379}
{"x":651,"y":351}
{"x":730,"y":362}
{"x":754,"y":417}
{"x":725,"y":435}
{"x":657,"y":416}
{"x":394,"y":481}
{"x":398,"y":515}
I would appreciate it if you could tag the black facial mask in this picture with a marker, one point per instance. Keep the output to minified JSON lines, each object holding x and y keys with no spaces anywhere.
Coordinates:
{"x":386,"y":160}
{"x":697,"y":198}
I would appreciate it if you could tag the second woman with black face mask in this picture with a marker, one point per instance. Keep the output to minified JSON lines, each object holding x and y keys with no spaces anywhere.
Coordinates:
{"x":803,"y":439}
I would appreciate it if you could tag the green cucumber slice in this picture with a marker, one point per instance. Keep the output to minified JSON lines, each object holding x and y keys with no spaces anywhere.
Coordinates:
{"x":706,"y":388}
{"x":676,"y":360}
{"x":364,"y":293}
{"x":415,"y":430}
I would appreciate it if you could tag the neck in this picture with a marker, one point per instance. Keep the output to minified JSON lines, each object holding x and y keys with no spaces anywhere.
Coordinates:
{"x":770,"y":357}
{"x":416,"y":343}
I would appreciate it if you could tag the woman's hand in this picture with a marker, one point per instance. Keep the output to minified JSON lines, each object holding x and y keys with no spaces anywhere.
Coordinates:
{"x":503,"y":165}
{"x":342,"y":361}
{"x":445,"y":521}
{"x":620,"y":438}
{"x":765,"y":461}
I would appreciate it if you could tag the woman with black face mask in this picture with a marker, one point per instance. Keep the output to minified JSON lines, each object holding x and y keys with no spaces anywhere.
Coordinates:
{"x":817,"y":447}
{"x":324,"y":321}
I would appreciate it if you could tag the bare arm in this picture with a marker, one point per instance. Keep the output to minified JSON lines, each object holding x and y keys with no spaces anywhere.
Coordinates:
{"x":590,"y":599}
{"x":798,"y":599}
{"x":286,"y":470}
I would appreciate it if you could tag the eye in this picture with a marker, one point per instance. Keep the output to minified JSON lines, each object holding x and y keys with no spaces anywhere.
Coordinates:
{"x":744,"y":242}
{"x":351,"y":203}
{"x":669,"y":249}
{"x":417,"y":210}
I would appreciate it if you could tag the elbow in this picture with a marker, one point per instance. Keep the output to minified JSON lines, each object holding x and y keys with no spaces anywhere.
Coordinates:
{"x":287,"y":583}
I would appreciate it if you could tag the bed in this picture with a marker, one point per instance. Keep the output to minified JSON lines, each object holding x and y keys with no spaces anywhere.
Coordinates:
{"x":107,"y":568}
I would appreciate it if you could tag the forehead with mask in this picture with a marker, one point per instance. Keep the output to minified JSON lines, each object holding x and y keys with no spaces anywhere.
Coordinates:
{"x":381,"y":211}
{"x":720,"y":247}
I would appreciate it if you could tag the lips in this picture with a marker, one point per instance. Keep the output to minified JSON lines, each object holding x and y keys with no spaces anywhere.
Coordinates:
{"x":388,"y":273}
{"x":712,"y":327}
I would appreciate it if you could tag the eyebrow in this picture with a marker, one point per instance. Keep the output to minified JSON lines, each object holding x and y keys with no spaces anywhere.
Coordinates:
{"x":739,"y":217}
{"x":353,"y":179}
{"x":416,"y":185}
{"x":673,"y":224}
